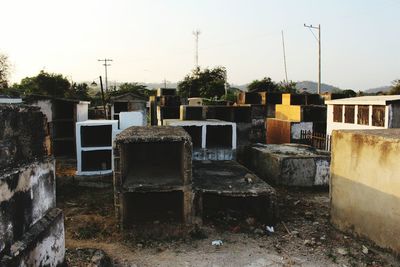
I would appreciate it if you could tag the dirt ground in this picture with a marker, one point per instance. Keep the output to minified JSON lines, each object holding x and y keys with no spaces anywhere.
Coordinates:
{"x":303,"y":237}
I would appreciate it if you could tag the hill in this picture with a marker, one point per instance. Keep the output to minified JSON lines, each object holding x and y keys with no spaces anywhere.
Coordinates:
{"x":378,"y":89}
{"x":312,"y":87}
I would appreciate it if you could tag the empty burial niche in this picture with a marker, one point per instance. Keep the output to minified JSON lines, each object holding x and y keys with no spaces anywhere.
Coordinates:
{"x":223,"y":113}
{"x":153,"y":206}
{"x":63,"y":110}
{"x":219,"y":136}
{"x":63,"y":129}
{"x":120,"y":107}
{"x":170,"y":112}
{"x":194,"y":113}
{"x":154,"y":163}
{"x":195,"y":133}
{"x":238,"y":207}
{"x":63,"y":148}
{"x":242,"y":114}
{"x":96,"y":136}
{"x":96,"y":160}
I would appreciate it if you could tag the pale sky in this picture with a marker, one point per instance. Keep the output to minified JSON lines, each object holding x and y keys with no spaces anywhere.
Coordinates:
{"x":152,"y":40}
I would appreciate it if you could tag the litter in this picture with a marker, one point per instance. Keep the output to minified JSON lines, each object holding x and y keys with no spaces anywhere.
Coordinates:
{"x":217,"y":243}
{"x":270,"y":229}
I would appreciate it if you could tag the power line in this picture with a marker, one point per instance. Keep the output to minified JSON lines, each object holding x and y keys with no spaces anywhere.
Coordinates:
{"x":310,"y":27}
{"x":105,"y":69}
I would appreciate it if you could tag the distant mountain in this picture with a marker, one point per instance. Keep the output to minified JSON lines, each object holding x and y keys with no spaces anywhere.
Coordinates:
{"x":378,"y":89}
{"x":312,"y":87}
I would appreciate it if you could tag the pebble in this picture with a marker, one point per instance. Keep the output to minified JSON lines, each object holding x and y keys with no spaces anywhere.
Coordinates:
{"x":342,"y":251}
{"x":364,"y":249}
{"x":258,"y":231}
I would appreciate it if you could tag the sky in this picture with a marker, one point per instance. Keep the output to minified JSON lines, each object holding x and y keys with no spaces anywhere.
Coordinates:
{"x":152,"y":40}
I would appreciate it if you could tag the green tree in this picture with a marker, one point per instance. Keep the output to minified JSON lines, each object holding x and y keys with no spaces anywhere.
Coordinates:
{"x":135,"y":88}
{"x":207,"y":83}
{"x":349,"y":93}
{"x":287,"y":87}
{"x":79,"y":91}
{"x":395,"y":88}
{"x":264,"y":85}
{"x":44,"y":83}
{"x":5,"y":67}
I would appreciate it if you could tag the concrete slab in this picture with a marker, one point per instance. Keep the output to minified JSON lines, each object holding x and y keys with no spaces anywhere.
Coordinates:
{"x":289,"y":164}
{"x":222,"y":182}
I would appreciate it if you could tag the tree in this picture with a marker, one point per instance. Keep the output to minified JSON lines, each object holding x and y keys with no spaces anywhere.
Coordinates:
{"x":5,"y":67}
{"x":395,"y":88}
{"x":135,"y":88}
{"x":264,"y":85}
{"x":349,"y":93}
{"x":207,"y":83}
{"x":287,"y":87}
{"x":79,"y":91}
{"x":44,"y":83}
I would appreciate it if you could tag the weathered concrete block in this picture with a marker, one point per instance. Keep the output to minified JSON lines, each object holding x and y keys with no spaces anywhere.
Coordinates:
{"x":302,"y":99}
{"x":192,"y":113}
{"x":249,"y":98}
{"x":365,"y":184}
{"x":42,"y":245}
{"x":292,"y":165}
{"x":299,"y":113}
{"x":26,"y":194}
{"x":155,"y":163}
{"x":23,"y":131}
{"x":284,"y":131}
{"x":228,"y":185}
{"x":166,"y":91}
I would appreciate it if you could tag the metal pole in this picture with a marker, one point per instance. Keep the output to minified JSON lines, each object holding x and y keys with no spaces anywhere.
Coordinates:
{"x":310,"y":27}
{"x":284,"y":57}
{"x":319,"y":58}
{"x":102,"y":98}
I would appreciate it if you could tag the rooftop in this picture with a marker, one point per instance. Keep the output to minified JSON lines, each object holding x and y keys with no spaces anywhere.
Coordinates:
{"x":375,"y":100}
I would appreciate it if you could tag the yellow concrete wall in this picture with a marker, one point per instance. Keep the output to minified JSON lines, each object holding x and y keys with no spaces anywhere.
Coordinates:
{"x":285,"y":99}
{"x":365,"y":184}
{"x":287,"y":112}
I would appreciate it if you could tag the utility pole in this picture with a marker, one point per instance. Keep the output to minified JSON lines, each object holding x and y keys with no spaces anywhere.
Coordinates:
{"x":105,"y":69}
{"x":103,"y":99}
{"x":196,"y":33}
{"x":284,"y":58}
{"x":165,"y":83}
{"x":319,"y":51}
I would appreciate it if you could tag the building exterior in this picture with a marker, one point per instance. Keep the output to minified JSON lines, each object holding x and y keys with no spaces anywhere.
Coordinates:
{"x":365,"y":112}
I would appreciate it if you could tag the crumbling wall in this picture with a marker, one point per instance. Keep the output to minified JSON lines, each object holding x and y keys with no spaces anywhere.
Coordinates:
{"x":27,"y":191}
{"x":23,"y":135}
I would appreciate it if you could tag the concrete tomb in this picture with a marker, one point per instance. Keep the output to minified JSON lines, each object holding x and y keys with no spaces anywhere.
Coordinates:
{"x":289,"y":164}
{"x":31,"y":227}
{"x":153,"y":174}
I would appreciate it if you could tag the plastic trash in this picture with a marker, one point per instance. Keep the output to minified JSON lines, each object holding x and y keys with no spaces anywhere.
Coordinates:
{"x":270,"y":229}
{"x":217,"y":243}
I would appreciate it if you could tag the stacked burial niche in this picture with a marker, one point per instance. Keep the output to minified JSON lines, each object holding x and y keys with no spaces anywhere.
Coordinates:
{"x":153,"y":175}
{"x":31,"y":227}
{"x":62,"y":115}
{"x":94,"y":144}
